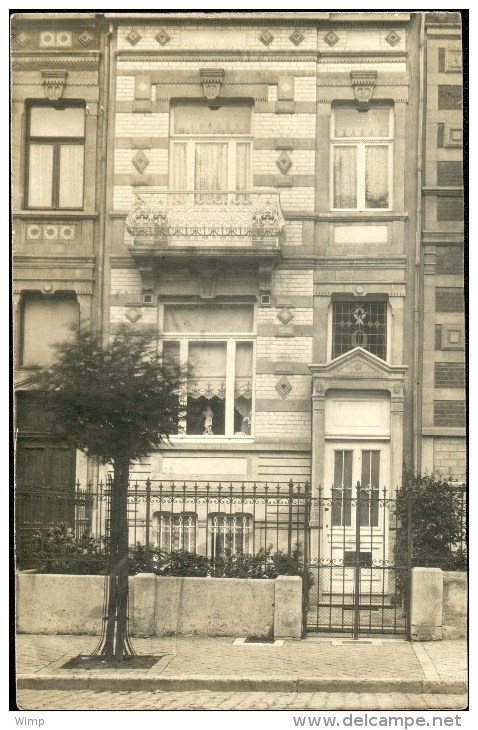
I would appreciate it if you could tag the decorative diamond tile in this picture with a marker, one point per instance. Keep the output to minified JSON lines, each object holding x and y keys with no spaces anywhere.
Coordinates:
{"x":50,"y":233}
{"x":47,"y":39}
{"x":393,"y":38}
{"x":64,"y":39}
{"x":331,"y":38}
{"x":33,"y":232}
{"x":22,"y":39}
{"x":283,"y":162}
{"x":266,"y":38}
{"x":162,"y":37}
{"x":67,"y":233}
{"x":296,"y":37}
{"x":133,"y":315}
{"x":140,"y":161}
{"x":285,"y":316}
{"x":283,"y":387}
{"x":85,"y":38}
{"x":133,"y":37}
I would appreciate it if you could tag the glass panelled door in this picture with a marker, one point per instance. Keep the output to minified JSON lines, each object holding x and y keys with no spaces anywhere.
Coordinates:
{"x":354,"y":525}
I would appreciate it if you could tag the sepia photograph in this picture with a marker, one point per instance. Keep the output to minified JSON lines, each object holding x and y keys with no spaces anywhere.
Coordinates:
{"x":239,"y":365}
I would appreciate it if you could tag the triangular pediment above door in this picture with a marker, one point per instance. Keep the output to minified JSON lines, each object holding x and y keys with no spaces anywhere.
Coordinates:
{"x":359,"y":368}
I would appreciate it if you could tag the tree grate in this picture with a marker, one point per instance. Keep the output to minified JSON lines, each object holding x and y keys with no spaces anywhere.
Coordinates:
{"x":88,"y":662}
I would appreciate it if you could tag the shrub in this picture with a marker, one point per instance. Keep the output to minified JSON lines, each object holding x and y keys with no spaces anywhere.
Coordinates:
{"x":56,"y":549}
{"x":438,"y":526}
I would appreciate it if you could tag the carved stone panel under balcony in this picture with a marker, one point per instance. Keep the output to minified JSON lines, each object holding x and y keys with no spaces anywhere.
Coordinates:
{"x":213,"y":222}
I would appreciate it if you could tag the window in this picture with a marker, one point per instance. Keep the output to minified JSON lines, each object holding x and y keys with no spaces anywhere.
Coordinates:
{"x":359,"y":323}
{"x":175,"y":531}
{"x":229,"y":533}
{"x":46,"y":322}
{"x":215,"y":342}
{"x":346,"y":498}
{"x":55,"y":156}
{"x":211,"y":149}
{"x":361,"y":158}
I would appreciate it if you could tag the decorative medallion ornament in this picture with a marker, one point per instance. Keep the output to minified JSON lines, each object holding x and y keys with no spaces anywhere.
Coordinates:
{"x":284,"y":163}
{"x":266,"y":38}
{"x":393,"y":38}
{"x":285,"y":316}
{"x":85,"y":38}
{"x":331,"y":38}
{"x":140,"y":161}
{"x":283,"y":387}
{"x":296,"y":37}
{"x":133,"y":37}
{"x":162,"y":37}
{"x":133,"y":315}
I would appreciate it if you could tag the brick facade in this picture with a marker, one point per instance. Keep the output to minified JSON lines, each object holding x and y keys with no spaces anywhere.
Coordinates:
{"x":294,"y":75}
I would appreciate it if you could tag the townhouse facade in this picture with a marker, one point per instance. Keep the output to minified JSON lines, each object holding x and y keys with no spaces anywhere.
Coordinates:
{"x":248,"y":187}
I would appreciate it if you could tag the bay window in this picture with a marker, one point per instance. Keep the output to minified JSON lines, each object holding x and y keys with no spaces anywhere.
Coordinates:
{"x":55,"y":156}
{"x":214,"y":342}
{"x":361,"y":157}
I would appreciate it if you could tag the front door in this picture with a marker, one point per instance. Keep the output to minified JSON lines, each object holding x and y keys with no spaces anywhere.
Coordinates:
{"x":354,"y":520}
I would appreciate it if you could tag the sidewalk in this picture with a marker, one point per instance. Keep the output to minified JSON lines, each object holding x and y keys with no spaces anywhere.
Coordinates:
{"x":217,"y":664}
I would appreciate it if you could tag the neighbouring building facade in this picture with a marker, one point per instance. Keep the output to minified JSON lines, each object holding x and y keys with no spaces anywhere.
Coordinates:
{"x":249,"y":187}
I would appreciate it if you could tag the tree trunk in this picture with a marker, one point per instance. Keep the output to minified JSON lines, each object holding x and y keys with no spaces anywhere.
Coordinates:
{"x":116,"y":645}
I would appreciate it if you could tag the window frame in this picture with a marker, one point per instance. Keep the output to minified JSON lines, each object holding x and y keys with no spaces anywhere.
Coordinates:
{"x":231,"y":339}
{"x":174,"y":518}
{"x":192,"y":140}
{"x":361,"y":144}
{"x":370,"y":298}
{"x":56,"y":143}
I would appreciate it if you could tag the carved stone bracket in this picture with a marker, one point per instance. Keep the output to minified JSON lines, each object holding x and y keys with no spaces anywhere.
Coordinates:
{"x":363,"y":83}
{"x":265,"y":278}
{"x":147,"y":277}
{"x":211,"y":81}
{"x":54,"y":82}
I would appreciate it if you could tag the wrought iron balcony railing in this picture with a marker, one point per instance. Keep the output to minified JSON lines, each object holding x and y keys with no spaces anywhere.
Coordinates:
{"x":239,"y":214}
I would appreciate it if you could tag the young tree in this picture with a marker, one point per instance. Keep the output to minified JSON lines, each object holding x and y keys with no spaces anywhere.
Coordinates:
{"x":116,"y":402}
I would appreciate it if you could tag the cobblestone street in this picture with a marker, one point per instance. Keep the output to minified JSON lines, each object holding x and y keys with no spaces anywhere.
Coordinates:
{"x":204,"y":700}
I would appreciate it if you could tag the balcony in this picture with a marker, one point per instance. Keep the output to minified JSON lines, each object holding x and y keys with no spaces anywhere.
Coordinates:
{"x":210,"y":222}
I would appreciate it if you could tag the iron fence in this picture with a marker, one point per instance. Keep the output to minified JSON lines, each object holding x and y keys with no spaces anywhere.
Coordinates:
{"x":213,"y":520}
{"x":354,"y":548}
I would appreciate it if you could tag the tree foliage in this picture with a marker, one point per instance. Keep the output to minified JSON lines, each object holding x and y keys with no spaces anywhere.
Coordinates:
{"x":433,"y":514}
{"x":117,"y":400}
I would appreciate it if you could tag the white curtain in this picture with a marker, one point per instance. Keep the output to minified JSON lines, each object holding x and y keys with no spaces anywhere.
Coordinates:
{"x":46,"y":323}
{"x":71,"y":176}
{"x":207,"y":361}
{"x":354,"y":123}
{"x":208,"y":318}
{"x":40,"y":176}
{"x":242,"y":166}
{"x":179,"y":166}
{"x":210,"y":166}
{"x":345,"y":177}
{"x":376,"y":177}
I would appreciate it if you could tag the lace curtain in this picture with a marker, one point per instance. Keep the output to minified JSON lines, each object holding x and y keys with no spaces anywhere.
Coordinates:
{"x":345,"y":177}
{"x":71,"y":176}
{"x":40,"y":176}
{"x":376,"y":177}
{"x":208,"y":318}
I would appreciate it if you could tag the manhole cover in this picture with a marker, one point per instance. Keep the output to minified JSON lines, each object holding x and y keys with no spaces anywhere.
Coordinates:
{"x":98,"y":662}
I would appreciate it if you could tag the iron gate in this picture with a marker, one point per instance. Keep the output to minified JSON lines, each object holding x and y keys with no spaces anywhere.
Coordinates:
{"x":353,"y":587}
